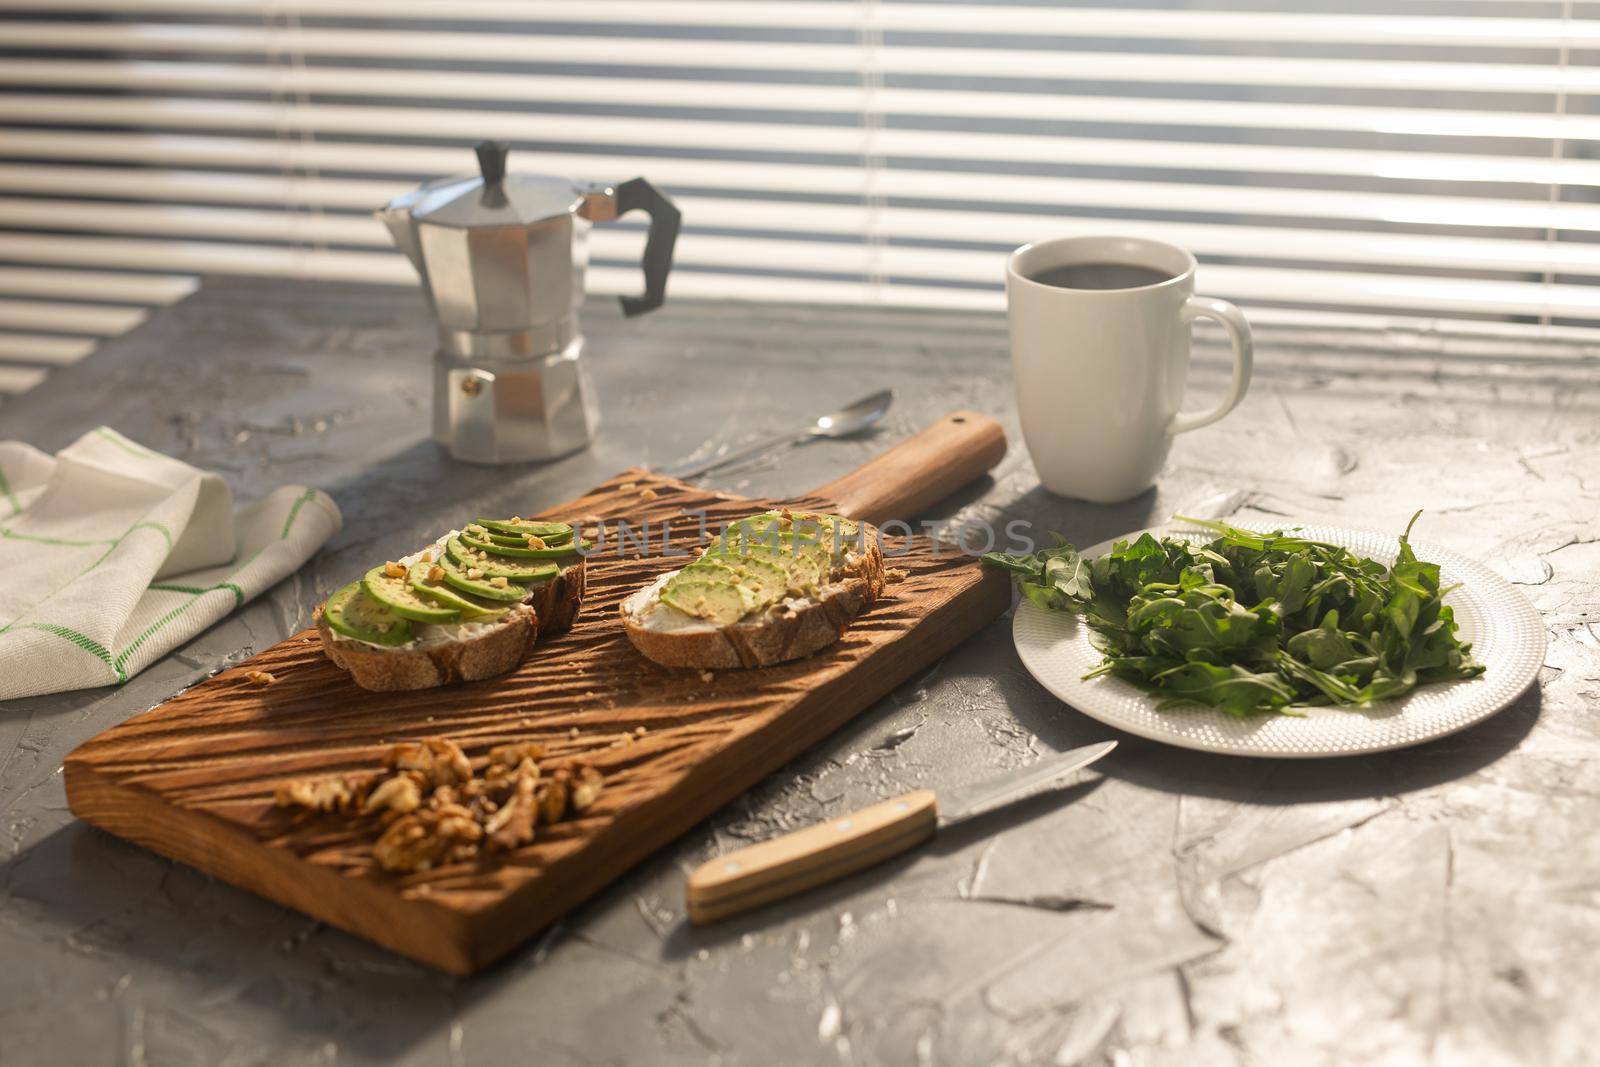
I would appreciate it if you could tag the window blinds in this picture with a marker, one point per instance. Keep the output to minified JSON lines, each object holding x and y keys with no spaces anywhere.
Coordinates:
{"x":1372,"y":157}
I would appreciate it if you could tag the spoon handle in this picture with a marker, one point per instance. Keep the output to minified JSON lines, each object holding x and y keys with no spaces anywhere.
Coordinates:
{"x":701,"y":466}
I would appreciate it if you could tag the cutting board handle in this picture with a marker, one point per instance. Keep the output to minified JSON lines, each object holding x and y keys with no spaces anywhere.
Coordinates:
{"x":918,"y":473}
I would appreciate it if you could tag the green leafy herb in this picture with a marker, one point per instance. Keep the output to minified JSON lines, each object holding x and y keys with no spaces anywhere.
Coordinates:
{"x":1254,"y":623}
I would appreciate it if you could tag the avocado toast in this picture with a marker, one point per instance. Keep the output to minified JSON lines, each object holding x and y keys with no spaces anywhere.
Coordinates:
{"x":773,"y":587}
{"x":466,"y":608}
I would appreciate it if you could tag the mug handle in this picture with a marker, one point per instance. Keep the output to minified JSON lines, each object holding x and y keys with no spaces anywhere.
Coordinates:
{"x":1232,"y":320}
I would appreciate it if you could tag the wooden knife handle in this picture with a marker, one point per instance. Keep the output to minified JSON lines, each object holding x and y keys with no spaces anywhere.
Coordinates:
{"x":786,"y":865}
{"x":918,"y":473}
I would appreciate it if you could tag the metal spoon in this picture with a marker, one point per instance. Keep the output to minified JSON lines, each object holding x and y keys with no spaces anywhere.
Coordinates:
{"x":847,"y":421}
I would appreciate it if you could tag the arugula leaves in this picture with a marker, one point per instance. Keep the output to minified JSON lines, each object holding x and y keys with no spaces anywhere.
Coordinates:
{"x":1254,"y":623}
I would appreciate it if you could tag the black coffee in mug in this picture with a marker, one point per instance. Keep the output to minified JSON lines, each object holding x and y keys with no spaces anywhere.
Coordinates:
{"x":1100,"y":276}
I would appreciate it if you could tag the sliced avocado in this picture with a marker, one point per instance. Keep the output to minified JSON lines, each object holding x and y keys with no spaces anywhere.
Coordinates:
{"x":521,"y":541}
{"x":770,"y":534}
{"x":397,"y":595}
{"x":455,"y":576}
{"x":766,"y":578}
{"x":465,"y":557}
{"x":352,"y":613}
{"x":807,"y":571}
{"x":521,"y":553}
{"x":705,"y":598}
{"x":547,"y":530}
{"x":470,"y":607}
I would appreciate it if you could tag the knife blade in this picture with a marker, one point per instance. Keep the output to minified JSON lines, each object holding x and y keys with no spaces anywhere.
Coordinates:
{"x":783,"y":866}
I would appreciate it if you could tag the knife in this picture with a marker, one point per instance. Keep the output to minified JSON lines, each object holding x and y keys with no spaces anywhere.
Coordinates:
{"x":786,"y":865}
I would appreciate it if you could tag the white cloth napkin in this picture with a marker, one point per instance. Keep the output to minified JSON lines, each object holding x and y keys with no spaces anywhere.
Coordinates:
{"x":112,"y":555}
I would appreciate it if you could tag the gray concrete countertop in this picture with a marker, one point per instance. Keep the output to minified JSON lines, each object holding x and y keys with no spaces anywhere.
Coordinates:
{"x":1437,"y":905}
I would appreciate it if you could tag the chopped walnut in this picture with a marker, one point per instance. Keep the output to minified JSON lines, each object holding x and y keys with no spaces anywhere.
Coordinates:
{"x":535,"y":541}
{"x":418,"y":841}
{"x":474,"y":573}
{"x":500,"y":582}
{"x":318,"y":794}
{"x":513,"y":754}
{"x":552,"y":796}
{"x":435,"y":573}
{"x":439,"y":761}
{"x":434,"y":810}
{"x":260,"y":677}
{"x":586,"y":787}
{"x":394,"y":570}
{"x":474,"y":528}
{"x":512,"y":826}
{"x":401,"y":794}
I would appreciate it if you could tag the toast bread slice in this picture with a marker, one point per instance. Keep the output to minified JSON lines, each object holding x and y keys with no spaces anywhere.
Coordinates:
{"x":557,"y":600}
{"x":788,"y":631}
{"x":498,"y":648}
{"x":547,"y":611}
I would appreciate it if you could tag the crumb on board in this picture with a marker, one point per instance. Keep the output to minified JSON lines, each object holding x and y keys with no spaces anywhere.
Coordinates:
{"x":708,"y":676}
{"x":573,"y":733}
{"x":260,"y":677}
{"x":628,"y":487}
{"x":891,"y":575}
{"x":648,"y":494}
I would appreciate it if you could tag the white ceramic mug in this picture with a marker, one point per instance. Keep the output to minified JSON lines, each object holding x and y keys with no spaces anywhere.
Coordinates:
{"x":1100,"y":372}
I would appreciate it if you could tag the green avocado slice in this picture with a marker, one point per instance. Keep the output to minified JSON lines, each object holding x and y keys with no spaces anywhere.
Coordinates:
{"x":547,"y":531}
{"x":465,"y":557}
{"x":352,"y":613}
{"x":713,"y":569}
{"x":515,"y":541}
{"x":703,"y":597}
{"x":440,"y":593}
{"x":766,"y":578}
{"x":455,"y":576}
{"x":520,"y":553}
{"x":397,"y":595}
{"x":763,"y":579}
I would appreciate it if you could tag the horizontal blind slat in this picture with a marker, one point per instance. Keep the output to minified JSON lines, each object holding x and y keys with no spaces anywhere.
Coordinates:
{"x":830,"y":57}
{"x":1241,"y":283}
{"x":96,"y":285}
{"x":420,"y":159}
{"x":1005,"y":190}
{"x":1443,"y":30}
{"x":1068,"y":66}
{"x":302,"y":219}
{"x":755,"y":135}
{"x":93,"y":319}
{"x":44,"y":348}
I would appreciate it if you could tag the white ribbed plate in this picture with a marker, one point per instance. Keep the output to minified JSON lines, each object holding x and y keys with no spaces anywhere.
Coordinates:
{"x":1506,"y":632}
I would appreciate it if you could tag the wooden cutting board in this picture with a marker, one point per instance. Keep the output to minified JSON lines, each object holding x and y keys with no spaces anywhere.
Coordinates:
{"x":193,"y":778}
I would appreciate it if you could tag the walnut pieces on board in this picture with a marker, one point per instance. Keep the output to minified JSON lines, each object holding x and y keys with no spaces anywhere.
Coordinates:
{"x":431,"y":808}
